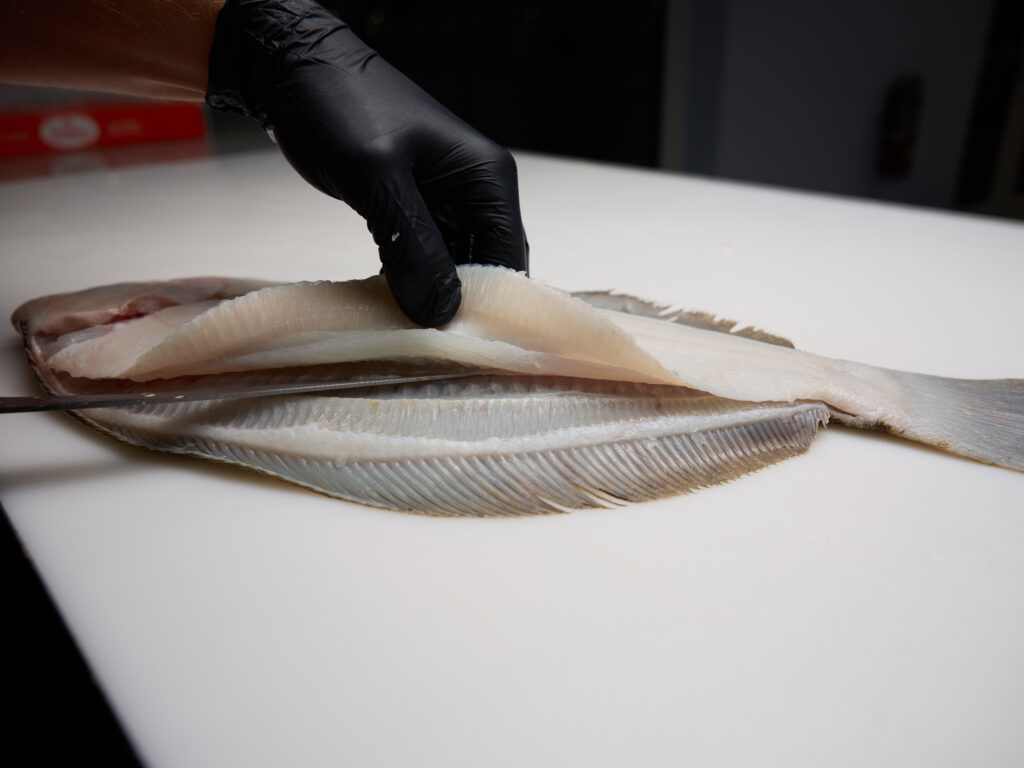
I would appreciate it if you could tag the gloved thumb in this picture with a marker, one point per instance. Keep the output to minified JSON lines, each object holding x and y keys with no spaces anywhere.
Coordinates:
{"x":415,"y":261}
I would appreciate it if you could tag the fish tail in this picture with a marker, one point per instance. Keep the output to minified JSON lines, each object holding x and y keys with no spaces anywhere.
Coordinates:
{"x":982,"y":419}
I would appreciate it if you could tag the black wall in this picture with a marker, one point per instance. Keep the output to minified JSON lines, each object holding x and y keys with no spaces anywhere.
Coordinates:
{"x":572,"y":78}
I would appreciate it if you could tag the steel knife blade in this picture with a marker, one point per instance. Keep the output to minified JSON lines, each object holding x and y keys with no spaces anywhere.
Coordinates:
{"x":77,"y":402}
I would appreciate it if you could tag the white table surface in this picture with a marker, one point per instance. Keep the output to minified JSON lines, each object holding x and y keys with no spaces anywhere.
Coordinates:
{"x":859,"y":605}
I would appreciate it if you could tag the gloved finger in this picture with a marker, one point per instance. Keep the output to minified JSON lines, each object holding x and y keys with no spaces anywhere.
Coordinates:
{"x":478,"y":208}
{"x":497,"y":224}
{"x":415,"y":261}
{"x":481,"y":247}
{"x":503,"y":246}
{"x":500,"y":247}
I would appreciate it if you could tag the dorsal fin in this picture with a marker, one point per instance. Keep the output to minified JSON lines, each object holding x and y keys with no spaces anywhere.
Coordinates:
{"x":631,"y":305}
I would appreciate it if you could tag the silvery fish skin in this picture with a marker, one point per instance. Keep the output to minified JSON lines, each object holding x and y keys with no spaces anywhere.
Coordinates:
{"x":605,"y":399}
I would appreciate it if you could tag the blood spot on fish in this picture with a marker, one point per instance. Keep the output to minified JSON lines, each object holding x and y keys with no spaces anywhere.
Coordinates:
{"x":120,"y":318}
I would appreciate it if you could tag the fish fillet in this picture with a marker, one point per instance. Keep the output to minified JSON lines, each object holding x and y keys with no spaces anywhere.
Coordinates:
{"x":604,"y":399}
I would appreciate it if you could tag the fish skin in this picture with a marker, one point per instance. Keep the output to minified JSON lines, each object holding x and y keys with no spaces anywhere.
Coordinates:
{"x":687,"y":370}
{"x":487,"y":446}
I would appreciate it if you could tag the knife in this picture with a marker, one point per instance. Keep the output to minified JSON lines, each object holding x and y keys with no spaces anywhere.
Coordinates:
{"x":75,"y":402}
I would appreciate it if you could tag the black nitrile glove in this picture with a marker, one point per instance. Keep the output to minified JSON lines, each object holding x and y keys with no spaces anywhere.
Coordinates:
{"x":434,"y":192}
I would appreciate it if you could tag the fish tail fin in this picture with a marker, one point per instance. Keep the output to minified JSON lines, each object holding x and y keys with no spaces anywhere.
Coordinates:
{"x":979,"y":418}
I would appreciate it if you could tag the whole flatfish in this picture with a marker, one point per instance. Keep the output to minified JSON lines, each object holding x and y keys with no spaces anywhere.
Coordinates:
{"x":599,"y":399}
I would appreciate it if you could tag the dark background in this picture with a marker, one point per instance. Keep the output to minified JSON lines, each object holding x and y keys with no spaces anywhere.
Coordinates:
{"x":571,"y":78}
{"x":904,"y":100}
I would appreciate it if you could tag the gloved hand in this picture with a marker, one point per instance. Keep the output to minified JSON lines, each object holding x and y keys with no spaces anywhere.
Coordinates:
{"x":434,"y":192}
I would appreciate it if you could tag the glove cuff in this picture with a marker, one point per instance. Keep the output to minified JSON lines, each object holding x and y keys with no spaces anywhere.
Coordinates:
{"x":223,"y":89}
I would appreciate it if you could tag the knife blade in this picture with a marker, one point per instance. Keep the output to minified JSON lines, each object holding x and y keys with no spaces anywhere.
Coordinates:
{"x":77,"y":402}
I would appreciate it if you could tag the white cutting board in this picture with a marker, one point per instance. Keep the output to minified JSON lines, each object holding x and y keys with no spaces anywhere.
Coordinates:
{"x":859,"y":605}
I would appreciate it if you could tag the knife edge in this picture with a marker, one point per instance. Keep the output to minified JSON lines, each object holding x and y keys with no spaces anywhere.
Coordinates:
{"x":27,"y":404}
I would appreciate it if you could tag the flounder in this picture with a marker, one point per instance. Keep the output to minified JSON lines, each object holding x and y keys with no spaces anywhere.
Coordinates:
{"x":582,"y":400}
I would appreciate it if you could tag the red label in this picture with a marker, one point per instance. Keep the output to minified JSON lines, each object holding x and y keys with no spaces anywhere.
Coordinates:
{"x":79,"y":127}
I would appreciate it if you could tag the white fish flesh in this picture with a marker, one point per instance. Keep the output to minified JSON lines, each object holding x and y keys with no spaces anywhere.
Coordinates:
{"x":603,"y":398}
